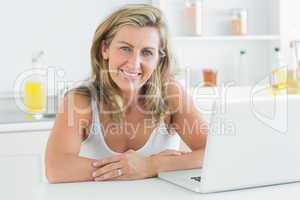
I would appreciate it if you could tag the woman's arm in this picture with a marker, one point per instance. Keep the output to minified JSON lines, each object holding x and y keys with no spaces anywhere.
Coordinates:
{"x":191,"y":127}
{"x":63,"y":164}
{"x":189,"y":160}
{"x":64,"y":167}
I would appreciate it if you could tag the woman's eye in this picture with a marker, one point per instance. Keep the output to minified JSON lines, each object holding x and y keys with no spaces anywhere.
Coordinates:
{"x":147,"y":53}
{"x":125,"y":49}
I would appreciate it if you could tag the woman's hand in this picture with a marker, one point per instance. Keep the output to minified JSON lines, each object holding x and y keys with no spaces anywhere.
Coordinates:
{"x":127,"y":166}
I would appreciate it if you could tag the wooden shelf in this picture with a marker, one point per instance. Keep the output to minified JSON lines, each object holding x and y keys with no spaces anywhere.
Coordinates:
{"x":228,"y":38}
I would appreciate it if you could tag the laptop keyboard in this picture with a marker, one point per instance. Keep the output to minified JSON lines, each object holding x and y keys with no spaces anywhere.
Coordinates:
{"x":196,"y":178}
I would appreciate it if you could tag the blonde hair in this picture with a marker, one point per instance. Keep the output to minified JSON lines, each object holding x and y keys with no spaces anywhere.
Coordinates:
{"x":107,"y":92}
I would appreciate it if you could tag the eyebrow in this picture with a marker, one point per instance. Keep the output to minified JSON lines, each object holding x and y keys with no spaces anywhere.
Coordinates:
{"x":123,"y":42}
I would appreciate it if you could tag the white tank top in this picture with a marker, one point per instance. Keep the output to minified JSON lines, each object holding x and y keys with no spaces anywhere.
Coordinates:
{"x":95,"y":147}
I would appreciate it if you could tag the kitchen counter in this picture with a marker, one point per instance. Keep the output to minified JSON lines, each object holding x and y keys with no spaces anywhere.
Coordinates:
{"x":154,"y":188}
{"x":26,"y":126}
{"x":22,"y":117}
{"x":13,"y":118}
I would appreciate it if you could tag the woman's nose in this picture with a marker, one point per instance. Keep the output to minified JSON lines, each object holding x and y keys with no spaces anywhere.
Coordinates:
{"x":135,"y":60}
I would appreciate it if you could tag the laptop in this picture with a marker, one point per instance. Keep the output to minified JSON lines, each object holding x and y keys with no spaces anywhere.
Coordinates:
{"x":251,"y":144}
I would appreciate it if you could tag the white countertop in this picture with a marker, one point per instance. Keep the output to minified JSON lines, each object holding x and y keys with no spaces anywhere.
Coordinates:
{"x":26,"y":126}
{"x":14,"y":119}
{"x":154,"y":188}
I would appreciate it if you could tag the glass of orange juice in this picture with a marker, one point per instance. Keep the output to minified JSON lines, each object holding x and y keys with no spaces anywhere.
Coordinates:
{"x":34,"y":96}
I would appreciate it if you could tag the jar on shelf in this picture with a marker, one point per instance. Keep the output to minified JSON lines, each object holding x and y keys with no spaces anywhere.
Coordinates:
{"x":239,"y":21}
{"x":209,"y":77}
{"x":194,"y":12}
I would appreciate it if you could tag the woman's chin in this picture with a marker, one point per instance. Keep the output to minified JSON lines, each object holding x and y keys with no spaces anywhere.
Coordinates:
{"x":129,"y":88}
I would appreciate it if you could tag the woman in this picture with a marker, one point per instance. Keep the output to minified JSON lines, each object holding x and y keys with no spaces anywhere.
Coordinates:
{"x":127,"y":121}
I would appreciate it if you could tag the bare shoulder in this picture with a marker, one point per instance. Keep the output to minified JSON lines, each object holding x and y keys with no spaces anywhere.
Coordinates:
{"x":77,"y":100}
{"x":77,"y":104}
{"x":72,"y":123}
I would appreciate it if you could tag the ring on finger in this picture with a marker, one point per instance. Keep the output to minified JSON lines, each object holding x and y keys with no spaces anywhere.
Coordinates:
{"x":119,"y":172}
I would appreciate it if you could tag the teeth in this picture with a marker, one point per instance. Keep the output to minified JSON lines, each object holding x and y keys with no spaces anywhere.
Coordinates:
{"x":130,"y":73}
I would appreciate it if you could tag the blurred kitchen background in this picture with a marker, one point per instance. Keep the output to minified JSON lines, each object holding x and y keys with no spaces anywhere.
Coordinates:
{"x":45,"y":48}
{"x":202,"y":31}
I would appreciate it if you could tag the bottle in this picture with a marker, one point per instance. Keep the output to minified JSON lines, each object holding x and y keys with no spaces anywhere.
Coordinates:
{"x":279,"y":71}
{"x":239,"y":22}
{"x":242,"y":76}
{"x":34,"y":91}
{"x":293,"y":84}
{"x":194,"y":12}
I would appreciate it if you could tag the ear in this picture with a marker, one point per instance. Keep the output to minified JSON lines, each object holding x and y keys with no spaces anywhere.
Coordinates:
{"x":104,"y":50}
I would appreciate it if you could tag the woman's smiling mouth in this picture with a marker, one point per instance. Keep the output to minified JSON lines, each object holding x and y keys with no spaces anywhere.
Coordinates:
{"x":130,"y":74}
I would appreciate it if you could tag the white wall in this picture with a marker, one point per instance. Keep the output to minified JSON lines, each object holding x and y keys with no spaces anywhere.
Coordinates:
{"x":290,"y":25}
{"x":62,"y":28}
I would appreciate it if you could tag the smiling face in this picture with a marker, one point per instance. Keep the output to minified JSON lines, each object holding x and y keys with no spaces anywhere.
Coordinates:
{"x":132,"y":55}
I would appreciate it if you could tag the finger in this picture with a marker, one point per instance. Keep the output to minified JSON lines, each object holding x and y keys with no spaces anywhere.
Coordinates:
{"x":109,"y":175}
{"x":108,"y":160}
{"x":106,"y":169}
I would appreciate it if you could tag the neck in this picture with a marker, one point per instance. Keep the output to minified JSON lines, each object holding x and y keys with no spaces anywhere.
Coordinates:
{"x":130,"y":99}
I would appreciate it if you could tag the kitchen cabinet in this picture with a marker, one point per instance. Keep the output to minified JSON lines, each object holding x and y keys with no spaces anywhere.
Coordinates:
{"x":262,"y":17}
{"x":271,"y":24}
{"x":22,"y":144}
{"x":19,"y":174}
